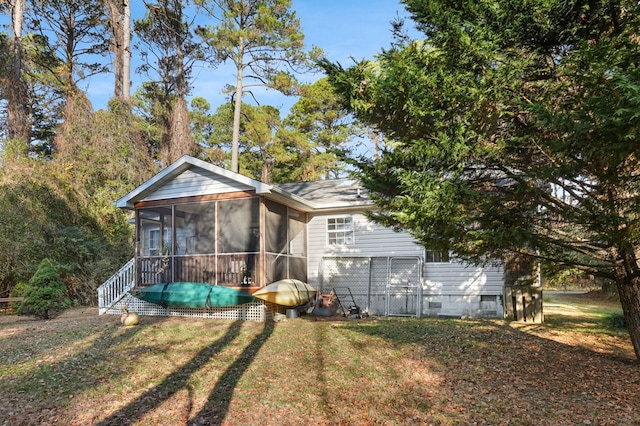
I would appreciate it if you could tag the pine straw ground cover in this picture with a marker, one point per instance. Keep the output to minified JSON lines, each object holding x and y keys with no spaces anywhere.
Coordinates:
{"x":85,"y":369}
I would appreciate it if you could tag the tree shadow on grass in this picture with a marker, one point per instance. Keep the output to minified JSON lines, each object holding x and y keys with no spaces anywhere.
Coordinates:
{"x":491,"y":368}
{"x":172,"y":383}
{"x":47,"y":362}
{"x":321,"y":370}
{"x":217,"y":405}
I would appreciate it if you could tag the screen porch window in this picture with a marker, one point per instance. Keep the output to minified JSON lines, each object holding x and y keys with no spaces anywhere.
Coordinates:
{"x":340,"y":231}
{"x":155,"y":232}
{"x":231,"y":241}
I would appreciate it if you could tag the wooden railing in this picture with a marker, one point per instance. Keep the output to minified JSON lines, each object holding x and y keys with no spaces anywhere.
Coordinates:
{"x":116,"y":287}
{"x":231,"y":270}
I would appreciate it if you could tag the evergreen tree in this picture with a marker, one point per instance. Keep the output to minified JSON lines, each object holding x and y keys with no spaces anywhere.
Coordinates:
{"x":261,"y":150}
{"x":46,"y":294}
{"x":320,"y":129}
{"x":263,"y":40}
{"x":119,"y":24}
{"x":204,"y":127}
{"x":14,"y":85}
{"x":514,"y":129}
{"x":169,"y":54}
{"x":74,"y":33}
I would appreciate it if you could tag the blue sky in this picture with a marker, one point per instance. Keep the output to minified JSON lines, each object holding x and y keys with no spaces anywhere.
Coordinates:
{"x":345,"y":28}
{"x":342,"y":28}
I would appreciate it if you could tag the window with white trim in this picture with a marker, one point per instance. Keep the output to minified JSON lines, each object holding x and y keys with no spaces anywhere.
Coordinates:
{"x":154,"y":246}
{"x":340,"y":231}
{"x":154,"y":242}
{"x":436,"y":256}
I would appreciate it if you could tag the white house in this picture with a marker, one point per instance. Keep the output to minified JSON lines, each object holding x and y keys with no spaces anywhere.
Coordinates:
{"x":201,"y":223}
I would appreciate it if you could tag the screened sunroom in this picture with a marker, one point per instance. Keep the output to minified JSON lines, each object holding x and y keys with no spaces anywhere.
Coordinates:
{"x":234,"y":240}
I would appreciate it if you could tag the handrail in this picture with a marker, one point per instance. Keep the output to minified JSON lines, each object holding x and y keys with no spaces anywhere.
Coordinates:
{"x":116,"y":287}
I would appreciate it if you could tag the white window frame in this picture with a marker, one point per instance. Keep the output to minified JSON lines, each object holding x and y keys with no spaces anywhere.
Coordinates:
{"x":439,"y":256}
{"x":155,"y":250}
{"x":341,"y":231}
{"x":154,"y":242}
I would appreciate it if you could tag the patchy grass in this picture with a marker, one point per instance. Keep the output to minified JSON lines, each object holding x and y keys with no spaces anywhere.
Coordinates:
{"x":83,"y":369}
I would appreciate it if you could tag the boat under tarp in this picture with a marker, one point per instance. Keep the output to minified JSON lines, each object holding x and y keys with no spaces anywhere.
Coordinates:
{"x":192,"y":295}
{"x":287,"y":292}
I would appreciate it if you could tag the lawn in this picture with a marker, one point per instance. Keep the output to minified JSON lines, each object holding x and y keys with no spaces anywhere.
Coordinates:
{"x":85,"y":369}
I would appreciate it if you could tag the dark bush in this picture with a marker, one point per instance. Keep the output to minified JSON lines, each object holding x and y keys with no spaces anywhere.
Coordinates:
{"x":616,"y":321}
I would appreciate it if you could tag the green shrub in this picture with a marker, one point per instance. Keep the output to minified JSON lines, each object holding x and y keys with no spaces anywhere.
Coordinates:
{"x":46,"y":295}
{"x":19,"y":289}
{"x":616,"y":321}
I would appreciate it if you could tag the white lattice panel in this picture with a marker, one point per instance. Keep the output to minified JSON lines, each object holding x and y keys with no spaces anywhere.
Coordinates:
{"x":256,"y":311}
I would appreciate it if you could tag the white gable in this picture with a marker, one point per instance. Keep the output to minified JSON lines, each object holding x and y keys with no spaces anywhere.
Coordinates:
{"x":194,"y":182}
{"x":188,"y":177}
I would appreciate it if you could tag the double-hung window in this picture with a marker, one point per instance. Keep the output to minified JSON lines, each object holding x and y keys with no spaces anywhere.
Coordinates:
{"x":340,"y":231}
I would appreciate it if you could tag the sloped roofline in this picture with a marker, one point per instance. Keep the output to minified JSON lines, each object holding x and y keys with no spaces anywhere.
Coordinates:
{"x":181,"y":165}
{"x":273,"y":192}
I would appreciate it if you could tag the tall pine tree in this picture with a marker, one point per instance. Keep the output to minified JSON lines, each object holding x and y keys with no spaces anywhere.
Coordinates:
{"x":263,"y":40}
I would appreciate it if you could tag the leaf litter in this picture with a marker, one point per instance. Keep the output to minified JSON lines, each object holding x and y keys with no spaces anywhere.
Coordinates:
{"x":85,"y":369}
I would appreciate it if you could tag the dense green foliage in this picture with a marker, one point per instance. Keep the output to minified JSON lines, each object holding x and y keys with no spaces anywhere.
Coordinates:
{"x":75,"y":35}
{"x":63,"y":209}
{"x":319,"y":129}
{"x":306,"y":145}
{"x":46,"y":294}
{"x":516,"y":131}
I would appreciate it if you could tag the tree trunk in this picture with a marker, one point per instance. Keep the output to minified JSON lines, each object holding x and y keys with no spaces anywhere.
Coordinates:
{"x":118,"y":24}
{"x":19,"y":127}
{"x":115,"y":17}
{"x":164,"y":122}
{"x":126,"y":52}
{"x":265,"y":175}
{"x":235,"y":141}
{"x":181,"y":140}
{"x":629,"y":291}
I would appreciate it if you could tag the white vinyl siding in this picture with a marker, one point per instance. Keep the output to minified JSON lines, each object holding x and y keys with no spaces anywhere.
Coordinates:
{"x":154,"y":242}
{"x":448,"y":287}
{"x":370,"y":239}
{"x":151,"y":241}
{"x":196,"y":182}
{"x":459,"y":290}
{"x":459,"y":279}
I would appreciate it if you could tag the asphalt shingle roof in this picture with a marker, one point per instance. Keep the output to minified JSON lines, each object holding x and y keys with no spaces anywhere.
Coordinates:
{"x":329,"y":192}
